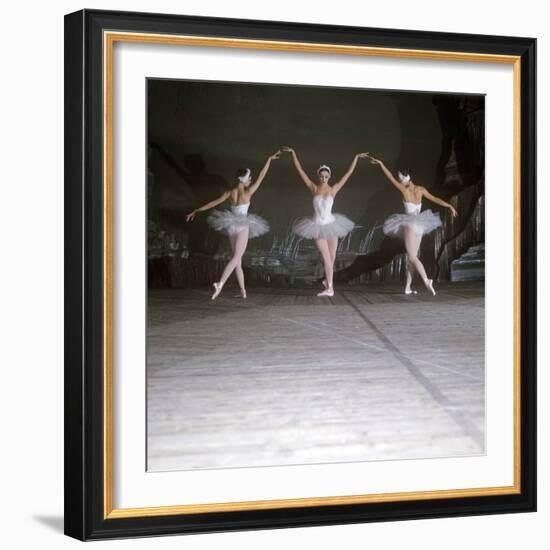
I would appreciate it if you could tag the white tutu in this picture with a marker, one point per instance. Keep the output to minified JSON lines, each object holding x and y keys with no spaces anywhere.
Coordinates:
{"x":422,"y":223}
{"x":324,"y":224}
{"x":308,"y":228}
{"x":232,"y":221}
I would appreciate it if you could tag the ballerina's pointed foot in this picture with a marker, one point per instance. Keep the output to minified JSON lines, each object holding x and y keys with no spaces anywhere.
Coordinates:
{"x":242,"y":294}
{"x":409,"y":291}
{"x":329,"y":291}
{"x":217,"y":289}
{"x":430,"y":286}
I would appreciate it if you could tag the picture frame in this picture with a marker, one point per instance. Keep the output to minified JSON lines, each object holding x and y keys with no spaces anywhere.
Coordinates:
{"x":90,"y":483}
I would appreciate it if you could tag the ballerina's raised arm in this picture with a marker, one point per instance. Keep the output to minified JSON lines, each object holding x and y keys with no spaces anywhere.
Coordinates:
{"x":404,"y":188}
{"x":338,"y":185}
{"x":254,"y":187}
{"x":305,"y":178}
{"x":387,"y":173}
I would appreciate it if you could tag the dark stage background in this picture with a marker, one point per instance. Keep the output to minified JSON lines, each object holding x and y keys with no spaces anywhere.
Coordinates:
{"x":200,"y":133}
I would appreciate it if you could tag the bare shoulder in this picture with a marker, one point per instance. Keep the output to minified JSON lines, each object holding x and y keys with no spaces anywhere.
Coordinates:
{"x":231,"y":195}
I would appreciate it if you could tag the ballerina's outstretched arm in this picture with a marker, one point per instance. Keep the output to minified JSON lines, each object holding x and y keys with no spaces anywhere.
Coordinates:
{"x":208,"y":205}
{"x":254,"y":187}
{"x":337,"y":186}
{"x":305,"y":178}
{"x":387,"y":173}
{"x":429,"y":196}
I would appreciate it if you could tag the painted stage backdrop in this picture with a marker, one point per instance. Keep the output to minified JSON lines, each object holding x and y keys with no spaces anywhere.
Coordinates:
{"x":201,"y":133}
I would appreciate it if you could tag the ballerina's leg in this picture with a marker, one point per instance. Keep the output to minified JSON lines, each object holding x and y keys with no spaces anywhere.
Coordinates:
{"x":322,"y":246}
{"x":232,"y":240}
{"x":239,"y":273}
{"x":332,"y":247}
{"x":239,"y":268}
{"x":412,"y":245}
{"x":238,"y":246}
{"x":409,"y":276}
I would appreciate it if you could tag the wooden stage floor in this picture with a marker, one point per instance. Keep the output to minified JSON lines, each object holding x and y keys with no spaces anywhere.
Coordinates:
{"x":285,"y":377}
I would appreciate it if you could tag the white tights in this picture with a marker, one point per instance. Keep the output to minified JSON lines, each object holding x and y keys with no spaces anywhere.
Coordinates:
{"x":327,"y":249}
{"x":412,"y":245}
{"x":238,"y":246}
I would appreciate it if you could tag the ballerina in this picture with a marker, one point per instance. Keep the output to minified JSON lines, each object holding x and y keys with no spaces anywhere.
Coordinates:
{"x":412,"y":225}
{"x":237,"y":223}
{"x":325,"y":228}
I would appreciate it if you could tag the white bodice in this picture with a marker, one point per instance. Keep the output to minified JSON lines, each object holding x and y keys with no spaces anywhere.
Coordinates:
{"x":241,"y":209}
{"x":322,"y":206}
{"x":412,"y":208}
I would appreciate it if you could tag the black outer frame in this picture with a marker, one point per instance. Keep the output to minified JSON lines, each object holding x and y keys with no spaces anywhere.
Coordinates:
{"x":83,"y":389}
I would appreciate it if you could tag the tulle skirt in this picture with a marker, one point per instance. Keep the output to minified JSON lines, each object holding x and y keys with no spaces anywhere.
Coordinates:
{"x":422,"y":223}
{"x":230,"y":223}
{"x":307,"y":228}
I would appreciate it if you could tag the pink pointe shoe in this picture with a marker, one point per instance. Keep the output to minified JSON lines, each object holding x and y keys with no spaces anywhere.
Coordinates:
{"x":409,"y":291}
{"x":217,"y":289}
{"x":242,"y":294}
{"x":429,"y":285}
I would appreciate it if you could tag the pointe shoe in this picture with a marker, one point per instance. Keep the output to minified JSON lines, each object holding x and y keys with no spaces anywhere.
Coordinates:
{"x":410,"y":291}
{"x":217,"y":289}
{"x":241,"y":295}
{"x":429,"y":285}
{"x":329,"y":291}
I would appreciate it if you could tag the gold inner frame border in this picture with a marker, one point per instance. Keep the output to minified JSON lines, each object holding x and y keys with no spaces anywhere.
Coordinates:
{"x":109,"y":39}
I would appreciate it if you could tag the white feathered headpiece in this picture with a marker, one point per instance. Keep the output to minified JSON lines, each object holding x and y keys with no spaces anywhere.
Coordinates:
{"x":324,"y":167}
{"x":403,"y":178}
{"x":245,"y":176}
